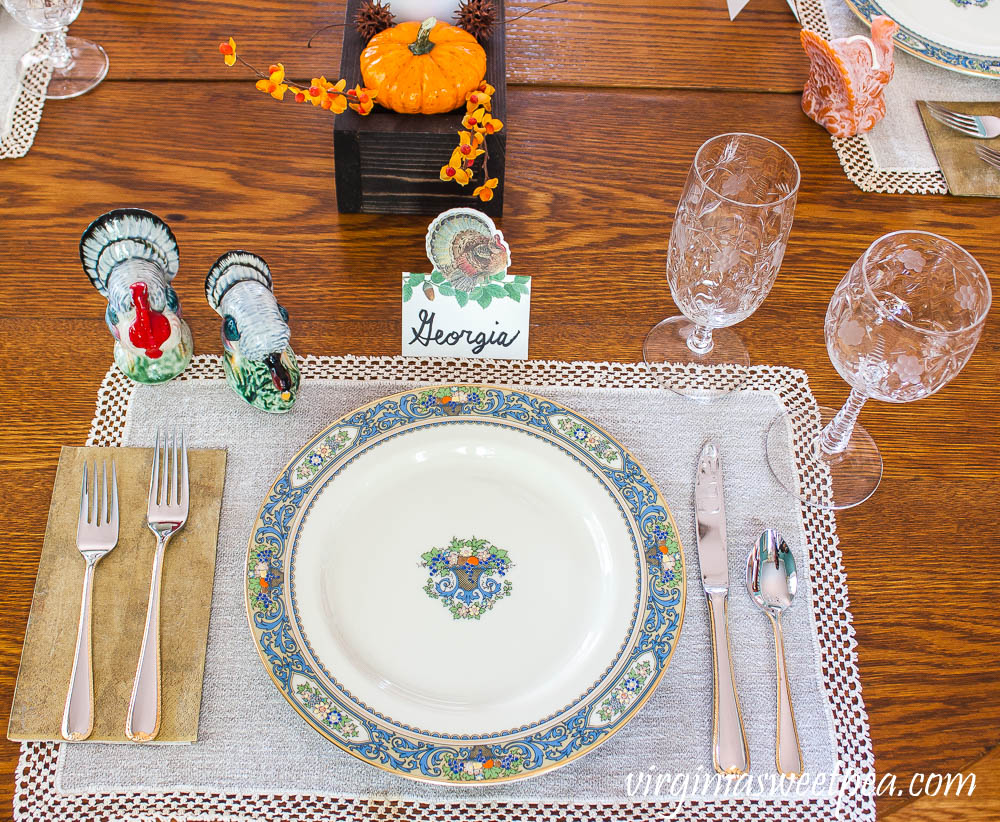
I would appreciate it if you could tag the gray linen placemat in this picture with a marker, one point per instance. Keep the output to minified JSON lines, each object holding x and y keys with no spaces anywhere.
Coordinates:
{"x":255,"y":752}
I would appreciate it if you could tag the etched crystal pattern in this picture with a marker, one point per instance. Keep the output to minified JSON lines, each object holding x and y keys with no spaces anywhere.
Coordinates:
{"x":731,"y":229}
{"x":906,"y":318}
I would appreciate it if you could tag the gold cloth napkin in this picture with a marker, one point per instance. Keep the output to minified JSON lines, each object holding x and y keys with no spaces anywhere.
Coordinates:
{"x":965,"y":173}
{"x":121,"y":593}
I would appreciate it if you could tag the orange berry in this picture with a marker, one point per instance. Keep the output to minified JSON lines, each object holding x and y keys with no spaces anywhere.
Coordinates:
{"x":364,"y":97}
{"x":466,"y":149}
{"x":473,"y":98}
{"x":271,"y":87}
{"x":300,"y":97}
{"x":472,"y":121}
{"x":225,"y":48}
{"x":313,"y":91}
{"x":272,"y":68}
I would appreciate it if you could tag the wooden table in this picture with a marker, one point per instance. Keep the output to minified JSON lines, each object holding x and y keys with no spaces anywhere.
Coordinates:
{"x":608,"y":102}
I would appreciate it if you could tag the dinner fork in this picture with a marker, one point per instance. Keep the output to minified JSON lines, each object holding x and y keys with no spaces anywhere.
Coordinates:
{"x":989,"y":156}
{"x":971,"y":125}
{"x":166,"y":514}
{"x":96,"y":535}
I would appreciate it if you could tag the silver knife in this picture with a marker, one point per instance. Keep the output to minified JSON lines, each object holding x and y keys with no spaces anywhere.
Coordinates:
{"x":729,"y":741}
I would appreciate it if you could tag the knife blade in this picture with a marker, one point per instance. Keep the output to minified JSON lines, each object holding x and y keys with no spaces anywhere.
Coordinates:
{"x":730,"y":753}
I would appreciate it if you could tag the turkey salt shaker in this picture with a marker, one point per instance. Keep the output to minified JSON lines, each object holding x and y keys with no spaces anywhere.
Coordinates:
{"x":260,"y":365}
{"x":131,"y":257}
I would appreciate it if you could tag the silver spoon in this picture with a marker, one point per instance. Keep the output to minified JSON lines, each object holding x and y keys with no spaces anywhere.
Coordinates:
{"x":771,"y":582}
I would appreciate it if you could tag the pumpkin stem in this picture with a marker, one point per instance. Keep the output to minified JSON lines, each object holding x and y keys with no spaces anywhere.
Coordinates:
{"x":423,"y":44}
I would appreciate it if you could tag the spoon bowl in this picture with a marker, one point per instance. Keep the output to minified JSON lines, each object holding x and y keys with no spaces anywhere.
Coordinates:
{"x":771,"y":583}
{"x":771,"y":576}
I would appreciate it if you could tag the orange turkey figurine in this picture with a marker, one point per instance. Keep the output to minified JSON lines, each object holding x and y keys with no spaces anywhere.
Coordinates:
{"x":847,"y":77}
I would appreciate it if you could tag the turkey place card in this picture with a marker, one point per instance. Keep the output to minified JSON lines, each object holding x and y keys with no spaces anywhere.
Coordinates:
{"x":469,"y":305}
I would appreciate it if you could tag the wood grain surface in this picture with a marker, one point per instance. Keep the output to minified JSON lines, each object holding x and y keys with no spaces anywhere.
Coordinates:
{"x":588,"y":210}
{"x":648,"y":43}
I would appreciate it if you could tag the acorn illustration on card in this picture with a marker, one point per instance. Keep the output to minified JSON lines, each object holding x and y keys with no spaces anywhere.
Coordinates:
{"x":470,"y":305}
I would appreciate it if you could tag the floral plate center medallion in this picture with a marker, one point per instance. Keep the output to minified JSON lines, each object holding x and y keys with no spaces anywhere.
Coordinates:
{"x":467,"y":576}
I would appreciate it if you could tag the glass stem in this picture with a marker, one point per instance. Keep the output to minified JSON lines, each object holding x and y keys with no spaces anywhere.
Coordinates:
{"x":835,"y":438}
{"x":700,"y":340}
{"x":59,"y":53}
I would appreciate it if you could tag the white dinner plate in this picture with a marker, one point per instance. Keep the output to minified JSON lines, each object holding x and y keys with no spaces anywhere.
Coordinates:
{"x":465,"y":584}
{"x":960,"y":35}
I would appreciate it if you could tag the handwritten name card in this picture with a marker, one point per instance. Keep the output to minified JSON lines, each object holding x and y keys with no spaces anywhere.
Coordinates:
{"x":469,"y":305}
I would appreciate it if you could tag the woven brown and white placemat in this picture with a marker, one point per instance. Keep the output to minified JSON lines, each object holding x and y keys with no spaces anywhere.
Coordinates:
{"x":255,"y":759}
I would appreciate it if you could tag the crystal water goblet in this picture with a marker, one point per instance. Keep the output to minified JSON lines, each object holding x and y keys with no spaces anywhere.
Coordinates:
{"x":900,"y":326}
{"x":77,"y":65}
{"x":728,"y":239}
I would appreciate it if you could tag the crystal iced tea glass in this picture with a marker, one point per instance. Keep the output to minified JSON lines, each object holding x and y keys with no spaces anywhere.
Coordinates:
{"x":726,"y":245}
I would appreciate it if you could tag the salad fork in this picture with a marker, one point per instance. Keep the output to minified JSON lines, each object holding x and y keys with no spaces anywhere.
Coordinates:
{"x":971,"y":125}
{"x":989,"y":156}
{"x":96,"y":535}
{"x":166,"y":514}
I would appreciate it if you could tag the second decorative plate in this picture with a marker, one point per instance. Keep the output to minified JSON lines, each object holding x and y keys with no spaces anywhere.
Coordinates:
{"x":465,"y":584}
{"x":959,"y":35}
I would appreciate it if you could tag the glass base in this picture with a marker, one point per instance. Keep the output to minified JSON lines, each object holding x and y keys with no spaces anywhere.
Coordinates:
{"x":846,"y":479}
{"x":667,"y":343}
{"x":88,"y":67}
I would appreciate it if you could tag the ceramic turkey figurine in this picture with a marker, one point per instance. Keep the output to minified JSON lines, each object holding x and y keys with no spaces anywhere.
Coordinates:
{"x":465,"y":246}
{"x":847,"y":77}
{"x":260,"y":365}
{"x":131,"y":258}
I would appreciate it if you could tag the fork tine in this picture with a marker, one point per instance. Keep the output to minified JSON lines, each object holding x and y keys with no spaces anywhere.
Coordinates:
{"x":988,"y":156}
{"x":105,"y":508}
{"x":184,"y":470}
{"x":175,"y":485}
{"x":97,"y":498}
{"x":967,"y":119}
{"x":164,"y":470}
{"x":970,"y":131}
{"x":84,"y":498}
{"x":154,"y":476}
{"x":113,"y":515}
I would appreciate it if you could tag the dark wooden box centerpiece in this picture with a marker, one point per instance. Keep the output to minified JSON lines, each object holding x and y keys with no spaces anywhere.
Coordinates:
{"x":389,"y":163}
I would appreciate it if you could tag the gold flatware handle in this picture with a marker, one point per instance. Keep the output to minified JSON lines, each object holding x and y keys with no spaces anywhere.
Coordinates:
{"x":143,"y":721}
{"x":787,"y":752}
{"x":730,"y":754}
{"x":78,"y":715}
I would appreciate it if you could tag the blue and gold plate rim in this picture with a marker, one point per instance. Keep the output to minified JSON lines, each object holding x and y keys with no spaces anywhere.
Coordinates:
{"x":443,"y":758}
{"x":938,"y":54}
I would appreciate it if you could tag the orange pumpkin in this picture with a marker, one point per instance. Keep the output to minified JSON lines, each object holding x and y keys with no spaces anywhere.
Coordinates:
{"x":423,"y":68}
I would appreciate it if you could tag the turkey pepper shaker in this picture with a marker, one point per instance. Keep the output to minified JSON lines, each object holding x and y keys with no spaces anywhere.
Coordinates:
{"x":260,"y":364}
